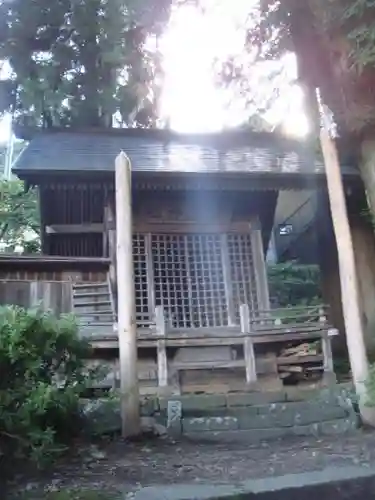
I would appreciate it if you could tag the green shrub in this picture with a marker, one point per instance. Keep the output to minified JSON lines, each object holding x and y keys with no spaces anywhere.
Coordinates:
{"x":370,"y":386}
{"x":293,"y":284}
{"x":42,"y":375}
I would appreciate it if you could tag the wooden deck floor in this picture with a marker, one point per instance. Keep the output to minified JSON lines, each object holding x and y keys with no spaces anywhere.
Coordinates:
{"x":106,"y":337}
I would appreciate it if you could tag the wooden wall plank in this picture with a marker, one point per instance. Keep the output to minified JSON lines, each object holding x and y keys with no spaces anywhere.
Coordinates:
{"x":260,"y":267}
{"x":49,"y":295}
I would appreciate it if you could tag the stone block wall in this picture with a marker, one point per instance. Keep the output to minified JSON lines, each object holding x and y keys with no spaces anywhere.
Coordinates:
{"x":246,"y":417}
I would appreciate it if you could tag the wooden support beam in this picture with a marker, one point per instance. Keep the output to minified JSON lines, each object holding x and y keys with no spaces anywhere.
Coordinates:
{"x":260,"y":268}
{"x":249,"y":354}
{"x":327,"y":353}
{"x":228,"y":280}
{"x":141,"y":226}
{"x":329,"y":376}
{"x":105,"y":232}
{"x":110,"y":241}
{"x":127,"y":330}
{"x":161,"y":348}
{"x":76,"y":228}
{"x":150,"y":276}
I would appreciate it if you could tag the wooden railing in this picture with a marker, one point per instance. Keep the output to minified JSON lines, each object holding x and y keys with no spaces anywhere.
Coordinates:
{"x":273,"y":326}
{"x":109,"y":246}
{"x":286,"y":318}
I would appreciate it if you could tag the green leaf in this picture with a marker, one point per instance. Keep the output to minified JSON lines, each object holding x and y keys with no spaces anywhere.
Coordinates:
{"x":19,"y":217}
{"x":43,"y":375}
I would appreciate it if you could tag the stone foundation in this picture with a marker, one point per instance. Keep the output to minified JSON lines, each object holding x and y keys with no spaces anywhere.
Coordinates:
{"x":251,"y":417}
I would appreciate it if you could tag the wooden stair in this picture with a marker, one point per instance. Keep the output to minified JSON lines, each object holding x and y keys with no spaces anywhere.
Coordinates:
{"x":92,"y":304}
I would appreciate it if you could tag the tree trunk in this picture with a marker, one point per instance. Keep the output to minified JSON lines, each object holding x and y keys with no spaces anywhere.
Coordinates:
{"x":364,"y":248}
{"x":367,"y":168}
{"x":348,"y":277}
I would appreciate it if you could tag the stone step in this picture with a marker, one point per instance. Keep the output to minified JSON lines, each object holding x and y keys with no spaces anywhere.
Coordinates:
{"x":263,"y":417}
{"x":252,"y":436}
{"x":92,"y":303}
{"x":88,"y":295}
{"x":329,"y":413}
{"x":196,"y":403}
{"x":94,"y":313}
{"x":252,"y":418}
{"x":272,"y":421}
{"x":90,"y":286}
{"x":282,"y":410}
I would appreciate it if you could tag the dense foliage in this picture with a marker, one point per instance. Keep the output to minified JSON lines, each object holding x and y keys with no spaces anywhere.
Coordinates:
{"x":79,"y":62}
{"x":18,"y":147}
{"x":42,"y":376}
{"x":334,"y":45}
{"x":292,"y":284}
{"x":19,"y":218}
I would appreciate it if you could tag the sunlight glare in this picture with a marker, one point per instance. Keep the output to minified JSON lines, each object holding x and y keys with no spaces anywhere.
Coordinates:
{"x":191,"y":102}
{"x":5,"y":128}
{"x":190,"y":99}
{"x":5,"y":120}
{"x":295,"y":123}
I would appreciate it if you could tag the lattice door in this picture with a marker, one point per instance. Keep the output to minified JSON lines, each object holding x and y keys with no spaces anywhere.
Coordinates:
{"x":189,"y":279}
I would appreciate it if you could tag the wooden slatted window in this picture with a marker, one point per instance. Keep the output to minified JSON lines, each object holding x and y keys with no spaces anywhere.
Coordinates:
{"x":242,"y":272}
{"x":187,"y":277}
{"x":141,"y":279}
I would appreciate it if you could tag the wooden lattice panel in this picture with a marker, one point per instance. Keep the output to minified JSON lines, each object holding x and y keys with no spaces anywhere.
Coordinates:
{"x":189,"y":279}
{"x":242,"y":271}
{"x":141,"y":279}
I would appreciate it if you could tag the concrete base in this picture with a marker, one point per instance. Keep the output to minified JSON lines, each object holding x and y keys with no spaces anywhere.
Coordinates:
{"x":351,"y":483}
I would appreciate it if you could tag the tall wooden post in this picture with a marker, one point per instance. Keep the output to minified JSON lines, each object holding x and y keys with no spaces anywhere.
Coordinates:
{"x":127,"y":331}
{"x":348,"y":276}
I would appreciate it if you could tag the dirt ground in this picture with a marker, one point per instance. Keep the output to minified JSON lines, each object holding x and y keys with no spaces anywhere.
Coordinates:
{"x":118,"y":466}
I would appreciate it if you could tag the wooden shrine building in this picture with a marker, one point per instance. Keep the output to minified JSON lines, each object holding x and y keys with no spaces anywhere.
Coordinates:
{"x":203,"y":209}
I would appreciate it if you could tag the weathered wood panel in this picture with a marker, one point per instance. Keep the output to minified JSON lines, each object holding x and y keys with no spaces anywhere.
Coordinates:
{"x":49,"y":295}
{"x":14,"y":274}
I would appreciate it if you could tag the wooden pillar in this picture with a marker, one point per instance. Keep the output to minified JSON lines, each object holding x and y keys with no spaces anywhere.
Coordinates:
{"x":161,"y":348}
{"x":329,"y":376}
{"x":127,"y":329}
{"x":105,"y":231}
{"x":329,"y":373}
{"x":249,"y":354}
{"x":228,"y":280}
{"x":260,"y":268}
{"x":109,"y":247}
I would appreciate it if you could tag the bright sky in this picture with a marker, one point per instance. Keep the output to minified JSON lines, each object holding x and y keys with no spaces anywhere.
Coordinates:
{"x":190,"y":98}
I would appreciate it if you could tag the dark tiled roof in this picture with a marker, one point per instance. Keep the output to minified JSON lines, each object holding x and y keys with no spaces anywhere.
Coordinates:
{"x":163,"y":151}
